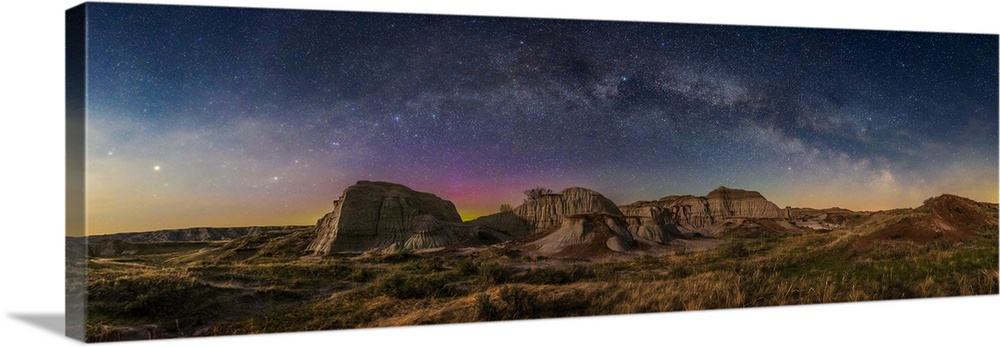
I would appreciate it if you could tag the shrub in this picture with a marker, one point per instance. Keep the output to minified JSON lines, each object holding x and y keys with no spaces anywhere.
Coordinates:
{"x":537,"y":192}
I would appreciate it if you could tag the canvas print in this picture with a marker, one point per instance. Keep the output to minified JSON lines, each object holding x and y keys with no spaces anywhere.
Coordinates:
{"x":244,"y":171}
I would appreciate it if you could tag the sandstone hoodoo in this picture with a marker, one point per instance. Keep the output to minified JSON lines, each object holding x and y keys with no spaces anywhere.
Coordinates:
{"x":547,"y":210}
{"x":586,"y":235}
{"x":576,"y":222}
{"x":381,"y":215}
{"x":711,"y":214}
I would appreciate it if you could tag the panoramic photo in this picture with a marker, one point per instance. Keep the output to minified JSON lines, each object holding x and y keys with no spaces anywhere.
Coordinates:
{"x":255,"y":171}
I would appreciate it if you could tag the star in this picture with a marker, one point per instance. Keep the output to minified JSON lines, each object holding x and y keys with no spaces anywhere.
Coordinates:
{"x":636,"y":111}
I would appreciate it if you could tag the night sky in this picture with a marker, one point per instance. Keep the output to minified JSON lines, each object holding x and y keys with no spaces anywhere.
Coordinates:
{"x":203,"y":116}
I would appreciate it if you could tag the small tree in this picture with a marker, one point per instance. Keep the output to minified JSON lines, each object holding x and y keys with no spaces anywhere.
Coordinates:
{"x":537,"y":192}
{"x":505,"y":207}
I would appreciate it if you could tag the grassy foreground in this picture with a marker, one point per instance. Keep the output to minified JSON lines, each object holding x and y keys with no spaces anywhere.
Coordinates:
{"x":252,"y":286}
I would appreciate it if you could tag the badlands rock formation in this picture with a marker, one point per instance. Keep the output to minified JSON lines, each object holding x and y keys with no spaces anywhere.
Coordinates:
{"x":574,"y":222}
{"x":828,"y":218}
{"x":705,"y":214}
{"x":586,"y":235}
{"x":381,"y":215}
{"x":577,"y":222}
{"x":547,"y":211}
{"x":650,"y":222}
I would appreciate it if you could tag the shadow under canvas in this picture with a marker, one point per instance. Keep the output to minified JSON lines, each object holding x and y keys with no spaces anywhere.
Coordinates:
{"x":52,"y":322}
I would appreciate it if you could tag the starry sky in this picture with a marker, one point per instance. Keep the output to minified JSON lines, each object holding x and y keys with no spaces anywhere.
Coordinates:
{"x":201,"y":116}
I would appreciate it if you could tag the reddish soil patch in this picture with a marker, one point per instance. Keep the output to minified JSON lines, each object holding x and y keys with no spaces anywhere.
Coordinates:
{"x":946,"y":218}
{"x":960,"y":212}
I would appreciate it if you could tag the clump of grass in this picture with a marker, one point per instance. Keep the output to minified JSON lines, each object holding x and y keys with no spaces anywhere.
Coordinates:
{"x":493,"y":274}
{"x":361,"y":274}
{"x":734,"y":249}
{"x":509,"y":253}
{"x":554,"y":276}
{"x":513,"y":303}
{"x":294,"y":275}
{"x":424,"y":265}
{"x":486,"y":274}
{"x":892,"y":250}
{"x":392,"y":257}
{"x":679,"y":271}
{"x":401,"y":285}
{"x":486,"y":310}
{"x":647,"y":259}
{"x":990,"y":279}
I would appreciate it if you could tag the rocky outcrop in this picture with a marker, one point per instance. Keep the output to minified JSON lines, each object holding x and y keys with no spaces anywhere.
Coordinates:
{"x":506,"y":222}
{"x":381,"y":215}
{"x":577,"y":222}
{"x":651,"y":230}
{"x":824,"y":219}
{"x":729,"y":202}
{"x":648,"y":221}
{"x":585,"y":235}
{"x":547,"y":211}
{"x":703,"y":214}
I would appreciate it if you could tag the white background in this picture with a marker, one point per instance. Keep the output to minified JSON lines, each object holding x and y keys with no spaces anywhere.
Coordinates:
{"x":31,"y":197}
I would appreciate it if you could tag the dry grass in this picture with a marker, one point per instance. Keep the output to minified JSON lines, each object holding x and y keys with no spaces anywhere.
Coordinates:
{"x":140,"y":297}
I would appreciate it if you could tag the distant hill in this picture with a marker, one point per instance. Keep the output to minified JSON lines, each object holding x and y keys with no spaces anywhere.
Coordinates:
{"x":825,"y":219}
{"x":946,"y":218}
{"x":194,"y":234}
